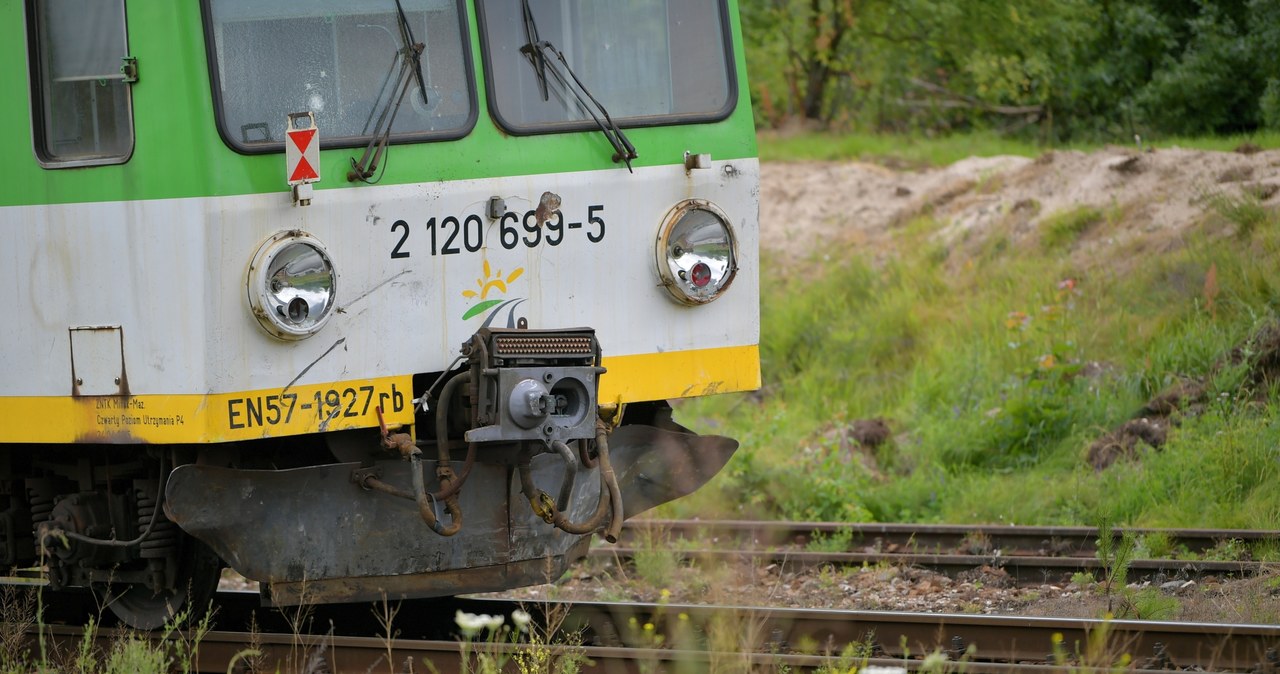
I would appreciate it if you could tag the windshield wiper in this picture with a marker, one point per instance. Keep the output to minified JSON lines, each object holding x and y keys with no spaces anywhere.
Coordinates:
{"x":536,"y":50}
{"x":406,"y":37}
{"x":531,"y":38}
{"x":410,"y":57}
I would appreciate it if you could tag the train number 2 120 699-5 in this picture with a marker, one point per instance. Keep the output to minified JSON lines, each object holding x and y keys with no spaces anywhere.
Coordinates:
{"x":451,"y":236}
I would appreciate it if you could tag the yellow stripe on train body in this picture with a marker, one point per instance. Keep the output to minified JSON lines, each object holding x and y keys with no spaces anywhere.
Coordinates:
{"x":217,"y":417}
{"x":297,"y":410}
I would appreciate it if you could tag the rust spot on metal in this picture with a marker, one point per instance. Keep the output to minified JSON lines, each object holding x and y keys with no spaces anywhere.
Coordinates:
{"x":548,"y":204}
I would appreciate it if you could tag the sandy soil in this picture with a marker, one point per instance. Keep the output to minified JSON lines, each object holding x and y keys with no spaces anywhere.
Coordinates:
{"x":807,"y":207}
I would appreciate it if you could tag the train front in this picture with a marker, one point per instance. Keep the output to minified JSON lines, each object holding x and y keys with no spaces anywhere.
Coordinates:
{"x":409,"y":326}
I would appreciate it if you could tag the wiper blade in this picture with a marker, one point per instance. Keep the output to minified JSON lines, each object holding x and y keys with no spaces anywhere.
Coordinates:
{"x":623,"y":150}
{"x":531,"y":39}
{"x":410,"y":57}
{"x":536,"y":51}
{"x":414,"y":47}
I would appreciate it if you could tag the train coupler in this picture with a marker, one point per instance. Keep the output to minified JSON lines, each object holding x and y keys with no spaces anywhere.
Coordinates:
{"x":534,"y":384}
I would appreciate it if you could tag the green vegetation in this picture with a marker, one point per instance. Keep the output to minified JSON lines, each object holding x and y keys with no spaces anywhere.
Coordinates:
{"x":840,"y":541}
{"x":1051,"y":70}
{"x":656,"y":561}
{"x":894,"y":149}
{"x":1062,"y":229}
{"x":997,"y":362}
{"x":174,"y":648}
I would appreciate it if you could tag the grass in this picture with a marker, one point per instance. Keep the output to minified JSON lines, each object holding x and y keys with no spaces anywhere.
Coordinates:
{"x":656,"y":562}
{"x":921,"y":151}
{"x":1245,"y":211}
{"x":996,"y":369}
{"x":1061,"y":229}
{"x":906,"y":151}
{"x":174,"y":648}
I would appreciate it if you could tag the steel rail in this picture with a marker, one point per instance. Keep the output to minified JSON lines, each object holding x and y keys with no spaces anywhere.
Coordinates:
{"x":220,"y":651}
{"x":939,"y":538}
{"x":1021,"y":568}
{"x":1233,"y":647}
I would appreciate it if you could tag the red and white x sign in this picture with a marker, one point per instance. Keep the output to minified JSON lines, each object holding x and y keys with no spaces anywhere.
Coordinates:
{"x":302,"y":149}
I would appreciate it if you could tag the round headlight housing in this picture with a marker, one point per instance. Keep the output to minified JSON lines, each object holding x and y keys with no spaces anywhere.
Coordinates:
{"x":696,"y":252}
{"x":292,"y":285}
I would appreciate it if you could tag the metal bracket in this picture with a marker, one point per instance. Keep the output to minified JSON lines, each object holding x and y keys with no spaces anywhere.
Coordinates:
{"x":694,"y":161}
{"x":129,"y":68}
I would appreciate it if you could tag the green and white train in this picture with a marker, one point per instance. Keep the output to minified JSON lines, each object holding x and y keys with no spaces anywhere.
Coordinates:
{"x":361,"y":298}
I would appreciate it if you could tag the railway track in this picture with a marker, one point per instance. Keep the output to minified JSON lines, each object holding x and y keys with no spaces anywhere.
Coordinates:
{"x":1027,"y":554}
{"x":621,"y":637}
{"x":943,"y":538}
{"x":1022,"y":569}
{"x":617,"y":640}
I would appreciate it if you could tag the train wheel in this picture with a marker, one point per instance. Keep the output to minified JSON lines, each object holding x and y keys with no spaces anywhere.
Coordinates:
{"x":139,"y":607}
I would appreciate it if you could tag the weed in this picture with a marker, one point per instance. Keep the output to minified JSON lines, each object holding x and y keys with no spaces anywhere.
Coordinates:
{"x":1152,"y":604}
{"x":655,"y":561}
{"x":1115,"y":555}
{"x":989,"y":183}
{"x":1154,"y":545}
{"x":730,"y":633}
{"x":184,"y":645}
{"x":254,"y":657}
{"x":299,"y":617}
{"x":1063,"y":228}
{"x":482,"y":639}
{"x":1083,"y":579}
{"x":173,"y":648}
{"x":550,"y":651}
{"x":839,"y":541}
{"x":1266,"y":550}
{"x":1227,"y":550}
{"x":976,"y":543}
{"x":1245,"y":211}
{"x":131,"y":653}
{"x":17,"y":618}
{"x":385,"y":614}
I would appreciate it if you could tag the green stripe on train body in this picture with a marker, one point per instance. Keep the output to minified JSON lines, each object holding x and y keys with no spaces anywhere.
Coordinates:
{"x":178,"y":152}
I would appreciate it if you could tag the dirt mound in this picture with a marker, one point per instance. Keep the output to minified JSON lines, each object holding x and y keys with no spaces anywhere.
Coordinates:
{"x":1123,"y":443}
{"x":810,"y":208}
{"x":1259,"y":355}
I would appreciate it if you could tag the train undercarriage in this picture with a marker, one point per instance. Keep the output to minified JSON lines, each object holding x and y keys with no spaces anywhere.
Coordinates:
{"x":507,"y":471}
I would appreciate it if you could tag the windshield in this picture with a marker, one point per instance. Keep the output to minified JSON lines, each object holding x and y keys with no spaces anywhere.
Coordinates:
{"x":647,"y":61}
{"x":338,"y":59}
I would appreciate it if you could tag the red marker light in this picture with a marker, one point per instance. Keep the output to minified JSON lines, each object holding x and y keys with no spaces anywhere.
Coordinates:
{"x":700,"y":275}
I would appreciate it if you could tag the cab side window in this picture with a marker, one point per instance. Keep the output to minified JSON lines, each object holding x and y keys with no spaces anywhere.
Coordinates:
{"x":81,"y":105}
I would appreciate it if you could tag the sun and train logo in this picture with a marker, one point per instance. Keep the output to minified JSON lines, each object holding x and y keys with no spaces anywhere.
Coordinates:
{"x":494,"y":284}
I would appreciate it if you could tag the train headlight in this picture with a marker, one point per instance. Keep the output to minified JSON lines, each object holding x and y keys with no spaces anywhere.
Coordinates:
{"x":292,"y":285}
{"x":696,"y":252}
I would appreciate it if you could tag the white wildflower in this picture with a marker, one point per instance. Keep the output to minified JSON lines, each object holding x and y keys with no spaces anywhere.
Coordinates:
{"x":470,"y":623}
{"x":521,"y":619}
